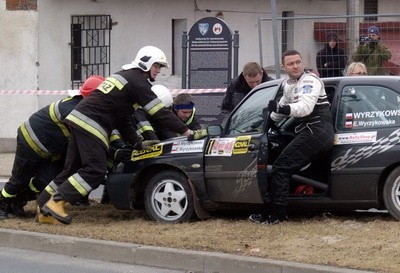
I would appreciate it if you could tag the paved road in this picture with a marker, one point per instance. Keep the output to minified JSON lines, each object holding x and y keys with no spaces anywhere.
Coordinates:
{"x":15,"y":260}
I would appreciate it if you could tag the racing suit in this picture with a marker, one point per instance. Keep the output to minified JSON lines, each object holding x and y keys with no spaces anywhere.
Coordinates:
{"x":308,"y":103}
{"x":41,"y":146}
{"x":109,"y":107}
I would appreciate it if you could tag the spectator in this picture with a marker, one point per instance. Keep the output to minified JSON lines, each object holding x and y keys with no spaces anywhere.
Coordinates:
{"x":331,"y":60}
{"x":304,"y":98}
{"x":356,"y":69}
{"x":253,"y":74}
{"x":372,"y":52}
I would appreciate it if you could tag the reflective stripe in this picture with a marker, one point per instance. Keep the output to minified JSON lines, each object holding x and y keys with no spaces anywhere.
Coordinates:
{"x":190,"y":120}
{"x":152,"y":107}
{"x":89,"y":125}
{"x":117,"y":80}
{"x":136,"y":106}
{"x":115,"y":135}
{"x":32,"y":187}
{"x":51,"y":188}
{"x":6,"y":194}
{"x":56,"y":117}
{"x":144,"y":126}
{"x":79,"y":184}
{"x":33,"y":141}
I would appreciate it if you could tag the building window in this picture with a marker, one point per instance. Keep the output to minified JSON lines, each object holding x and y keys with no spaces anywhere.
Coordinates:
{"x":371,"y":7}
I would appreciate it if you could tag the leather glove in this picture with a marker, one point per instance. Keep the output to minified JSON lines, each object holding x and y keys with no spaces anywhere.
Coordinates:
{"x":146,"y":144}
{"x":198,"y":134}
{"x":122,"y":155}
{"x":273,"y":106}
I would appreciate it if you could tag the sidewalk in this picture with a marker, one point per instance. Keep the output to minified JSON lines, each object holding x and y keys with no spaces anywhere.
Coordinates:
{"x":191,"y":261}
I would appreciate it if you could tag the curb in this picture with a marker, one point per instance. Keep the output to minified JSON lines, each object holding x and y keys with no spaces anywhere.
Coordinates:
{"x":192,"y":261}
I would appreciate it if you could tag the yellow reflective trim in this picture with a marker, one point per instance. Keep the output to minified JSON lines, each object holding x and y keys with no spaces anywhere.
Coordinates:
{"x":56,"y":118}
{"x":88,"y":128}
{"x":191,"y":117}
{"x":146,"y":128}
{"x":6,"y":194}
{"x":32,"y":187}
{"x":77,"y":186}
{"x":155,"y":108}
{"x":31,"y":143}
{"x":114,"y":137}
{"x":50,"y":190}
{"x":116,"y":82}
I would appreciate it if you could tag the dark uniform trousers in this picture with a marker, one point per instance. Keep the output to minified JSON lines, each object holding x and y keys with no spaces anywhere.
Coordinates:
{"x":315,"y":140}
{"x":29,"y":165}
{"x":85,"y":157}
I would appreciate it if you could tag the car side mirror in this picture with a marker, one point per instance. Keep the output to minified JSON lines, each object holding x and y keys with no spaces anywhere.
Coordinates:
{"x":214,"y":130}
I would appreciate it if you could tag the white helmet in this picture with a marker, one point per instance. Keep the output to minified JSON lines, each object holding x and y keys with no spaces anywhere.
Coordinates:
{"x":163,"y":94}
{"x":146,"y":57}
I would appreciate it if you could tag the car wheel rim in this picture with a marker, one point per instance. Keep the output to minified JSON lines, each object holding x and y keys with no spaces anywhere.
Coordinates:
{"x":169,"y":200}
{"x":396,"y":193}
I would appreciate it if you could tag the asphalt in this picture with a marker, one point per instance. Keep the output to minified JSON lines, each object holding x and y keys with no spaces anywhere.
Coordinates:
{"x":187,"y":260}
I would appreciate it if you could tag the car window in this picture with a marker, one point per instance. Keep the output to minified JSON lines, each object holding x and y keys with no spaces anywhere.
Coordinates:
{"x":366,"y":107}
{"x":250,"y":116}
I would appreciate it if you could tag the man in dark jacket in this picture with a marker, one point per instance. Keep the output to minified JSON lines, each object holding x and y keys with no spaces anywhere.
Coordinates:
{"x":41,"y":146}
{"x":253,"y":74}
{"x":331,"y":60}
{"x":109,"y":107}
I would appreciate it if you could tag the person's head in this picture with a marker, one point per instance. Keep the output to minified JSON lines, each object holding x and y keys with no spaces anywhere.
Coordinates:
{"x":373,"y":33}
{"x":332,"y":39}
{"x":253,"y":74}
{"x":292,"y":63}
{"x":163,"y":94}
{"x":87,"y":87}
{"x":149,"y":59}
{"x":356,"y":69}
{"x":183,"y":106}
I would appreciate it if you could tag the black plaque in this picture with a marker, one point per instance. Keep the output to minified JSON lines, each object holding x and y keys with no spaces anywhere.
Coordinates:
{"x":210,"y":54}
{"x":208,"y":108}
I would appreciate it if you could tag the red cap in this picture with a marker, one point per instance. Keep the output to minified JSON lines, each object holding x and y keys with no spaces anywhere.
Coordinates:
{"x":90,"y":84}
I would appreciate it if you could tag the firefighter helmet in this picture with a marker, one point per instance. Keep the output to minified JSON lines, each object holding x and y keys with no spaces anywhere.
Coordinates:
{"x":90,"y":85}
{"x":163,"y":94}
{"x":146,"y":57}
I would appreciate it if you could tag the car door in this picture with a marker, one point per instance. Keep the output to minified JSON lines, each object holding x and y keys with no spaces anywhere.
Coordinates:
{"x":231,"y":160}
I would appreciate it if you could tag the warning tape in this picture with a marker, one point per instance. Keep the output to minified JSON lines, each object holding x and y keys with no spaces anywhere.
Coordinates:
{"x":65,"y":92}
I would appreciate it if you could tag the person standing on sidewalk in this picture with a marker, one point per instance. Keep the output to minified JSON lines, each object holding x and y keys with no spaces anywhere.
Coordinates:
{"x":109,"y":107}
{"x":305,"y":99}
{"x":41,"y":146}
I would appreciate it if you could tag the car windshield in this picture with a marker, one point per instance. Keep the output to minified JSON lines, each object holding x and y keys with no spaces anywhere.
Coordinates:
{"x":250,"y":116}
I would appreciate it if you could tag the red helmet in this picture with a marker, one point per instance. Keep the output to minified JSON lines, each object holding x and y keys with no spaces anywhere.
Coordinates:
{"x":90,"y":84}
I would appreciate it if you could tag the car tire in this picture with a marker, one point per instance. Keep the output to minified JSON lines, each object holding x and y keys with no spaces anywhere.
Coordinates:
{"x":391,"y":193}
{"x":169,"y":198}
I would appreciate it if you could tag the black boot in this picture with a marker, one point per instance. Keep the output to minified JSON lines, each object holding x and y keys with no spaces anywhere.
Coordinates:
{"x":104,"y":198}
{"x":3,"y":207}
{"x":278,"y":214}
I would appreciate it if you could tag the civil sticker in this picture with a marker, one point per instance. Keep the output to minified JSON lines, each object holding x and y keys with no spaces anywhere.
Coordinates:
{"x":241,"y":145}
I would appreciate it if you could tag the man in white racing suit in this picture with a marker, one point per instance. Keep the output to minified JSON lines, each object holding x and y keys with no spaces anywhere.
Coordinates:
{"x":305,"y":99}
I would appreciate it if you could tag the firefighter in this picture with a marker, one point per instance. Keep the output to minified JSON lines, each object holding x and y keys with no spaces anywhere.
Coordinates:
{"x":41,"y":145}
{"x":108,"y":107}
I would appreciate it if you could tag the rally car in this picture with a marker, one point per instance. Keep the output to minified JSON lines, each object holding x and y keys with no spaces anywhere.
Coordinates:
{"x":179,"y":179}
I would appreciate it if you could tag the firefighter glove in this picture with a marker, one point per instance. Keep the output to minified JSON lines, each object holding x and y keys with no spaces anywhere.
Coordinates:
{"x":122,"y":155}
{"x":146,"y":144}
{"x":198,"y":134}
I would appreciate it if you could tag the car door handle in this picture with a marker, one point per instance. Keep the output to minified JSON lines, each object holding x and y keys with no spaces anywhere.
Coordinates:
{"x":252,"y":147}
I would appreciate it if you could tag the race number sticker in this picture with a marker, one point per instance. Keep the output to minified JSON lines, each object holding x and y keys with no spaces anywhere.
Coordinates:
{"x":156,"y":150}
{"x":241,"y":145}
{"x":184,"y":146}
{"x":354,"y":138}
{"x":109,"y":84}
{"x":221,"y":147}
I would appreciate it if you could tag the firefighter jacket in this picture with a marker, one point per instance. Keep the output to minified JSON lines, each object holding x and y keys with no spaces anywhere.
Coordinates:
{"x":150,"y":129}
{"x":45,"y":132}
{"x":112,"y":105}
{"x":307,"y":100}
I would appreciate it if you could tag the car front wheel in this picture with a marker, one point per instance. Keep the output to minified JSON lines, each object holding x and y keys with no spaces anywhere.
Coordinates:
{"x":169,"y":198}
{"x":391,"y":193}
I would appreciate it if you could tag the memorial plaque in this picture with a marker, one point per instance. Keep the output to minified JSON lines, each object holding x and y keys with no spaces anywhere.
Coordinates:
{"x":210,"y":54}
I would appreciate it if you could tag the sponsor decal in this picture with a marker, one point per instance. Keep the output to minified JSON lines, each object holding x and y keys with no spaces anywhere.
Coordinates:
{"x":156,"y":150}
{"x":351,"y":157}
{"x":221,"y":147}
{"x":307,"y":89}
{"x":241,"y":145}
{"x":184,"y":146}
{"x":353,"y":138}
{"x":371,"y":118}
